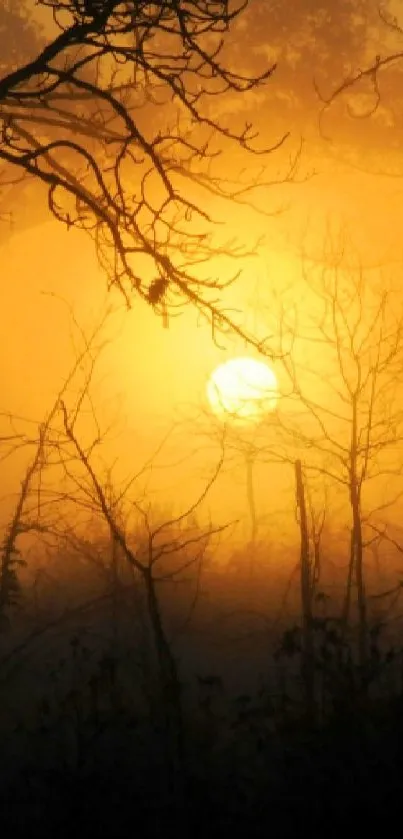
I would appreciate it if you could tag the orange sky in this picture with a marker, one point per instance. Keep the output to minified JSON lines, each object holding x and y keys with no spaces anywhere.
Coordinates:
{"x":149,"y":378}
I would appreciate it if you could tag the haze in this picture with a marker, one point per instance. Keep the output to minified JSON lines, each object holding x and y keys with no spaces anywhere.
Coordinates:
{"x":311,"y":487}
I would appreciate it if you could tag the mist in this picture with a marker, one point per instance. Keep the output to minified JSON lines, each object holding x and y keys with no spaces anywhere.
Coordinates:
{"x":200,"y":606}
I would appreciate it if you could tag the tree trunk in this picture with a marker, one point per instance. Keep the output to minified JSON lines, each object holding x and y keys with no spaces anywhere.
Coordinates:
{"x":356,"y":543}
{"x":170,"y":699}
{"x":250,"y":493}
{"x":307,"y":665}
{"x":347,"y":599}
{"x":359,"y":580}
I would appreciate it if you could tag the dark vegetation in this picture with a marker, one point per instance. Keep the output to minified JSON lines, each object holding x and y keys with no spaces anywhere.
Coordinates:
{"x":91,"y":736}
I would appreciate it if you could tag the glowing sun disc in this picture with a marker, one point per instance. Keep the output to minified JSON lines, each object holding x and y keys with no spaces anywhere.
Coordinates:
{"x":242,"y":389}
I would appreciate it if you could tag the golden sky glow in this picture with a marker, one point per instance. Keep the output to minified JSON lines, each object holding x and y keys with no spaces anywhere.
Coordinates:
{"x":158,"y":377}
{"x":217,"y":453}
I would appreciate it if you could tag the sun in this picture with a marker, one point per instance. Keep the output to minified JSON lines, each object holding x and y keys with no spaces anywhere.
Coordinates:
{"x":243,"y":389}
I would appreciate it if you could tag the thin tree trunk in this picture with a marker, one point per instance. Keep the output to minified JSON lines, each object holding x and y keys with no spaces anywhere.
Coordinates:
{"x":115,"y":611}
{"x":307,"y":667}
{"x":357,"y":547}
{"x":360,"y":583}
{"x":171,"y":699}
{"x":349,"y":585}
{"x":114,"y":581}
{"x":250,"y":494}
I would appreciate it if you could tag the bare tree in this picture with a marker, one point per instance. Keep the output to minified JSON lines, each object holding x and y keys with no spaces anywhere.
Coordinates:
{"x":116,"y":117}
{"x":65,"y":488}
{"x":29,"y":496}
{"x":367,"y":99}
{"x":344,"y":417}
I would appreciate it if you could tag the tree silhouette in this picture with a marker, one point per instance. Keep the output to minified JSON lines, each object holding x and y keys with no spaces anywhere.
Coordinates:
{"x":367,"y":99}
{"x":344,"y":417}
{"x":116,"y":118}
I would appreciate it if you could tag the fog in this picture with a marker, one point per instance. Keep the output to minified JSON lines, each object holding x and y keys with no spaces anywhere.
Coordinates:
{"x":166,"y":571}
